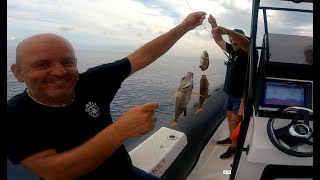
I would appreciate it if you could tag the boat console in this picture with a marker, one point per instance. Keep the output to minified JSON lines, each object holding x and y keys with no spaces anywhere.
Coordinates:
{"x":284,"y":76}
{"x":281,"y":126}
{"x":281,"y":93}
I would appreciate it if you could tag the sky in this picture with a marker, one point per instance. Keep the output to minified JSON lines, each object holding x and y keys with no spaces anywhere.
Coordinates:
{"x":125,"y":25}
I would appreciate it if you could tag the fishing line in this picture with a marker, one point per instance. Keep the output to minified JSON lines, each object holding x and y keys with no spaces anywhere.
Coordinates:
{"x":226,"y":55}
{"x":153,"y":144}
{"x":206,"y":28}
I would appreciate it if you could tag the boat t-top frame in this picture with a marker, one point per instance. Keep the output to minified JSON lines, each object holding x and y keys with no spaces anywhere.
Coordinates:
{"x":250,"y":91}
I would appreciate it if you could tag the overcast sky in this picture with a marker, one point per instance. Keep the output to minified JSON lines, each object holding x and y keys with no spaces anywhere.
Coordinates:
{"x":125,"y":25}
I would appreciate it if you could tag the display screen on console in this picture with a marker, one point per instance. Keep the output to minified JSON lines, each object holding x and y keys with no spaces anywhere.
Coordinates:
{"x":279,"y":94}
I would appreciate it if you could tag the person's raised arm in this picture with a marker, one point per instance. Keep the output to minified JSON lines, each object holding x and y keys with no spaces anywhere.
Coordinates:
{"x":216,"y":33}
{"x":85,"y":158}
{"x":217,"y":36}
{"x":160,"y":45}
{"x":241,"y":40}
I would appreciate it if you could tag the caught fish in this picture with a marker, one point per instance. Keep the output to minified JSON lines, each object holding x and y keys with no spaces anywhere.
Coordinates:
{"x":183,"y":96}
{"x":212,"y":21}
{"x":204,"y":91}
{"x":204,"y":61}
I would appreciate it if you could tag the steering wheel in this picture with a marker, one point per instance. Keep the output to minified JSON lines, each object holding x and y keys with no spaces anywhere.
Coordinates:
{"x":294,"y":134}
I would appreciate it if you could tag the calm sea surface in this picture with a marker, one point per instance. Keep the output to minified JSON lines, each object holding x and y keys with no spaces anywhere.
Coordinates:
{"x":157,"y":82}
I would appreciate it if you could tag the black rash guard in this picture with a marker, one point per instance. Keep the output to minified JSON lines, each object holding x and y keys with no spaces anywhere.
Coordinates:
{"x":236,"y":72}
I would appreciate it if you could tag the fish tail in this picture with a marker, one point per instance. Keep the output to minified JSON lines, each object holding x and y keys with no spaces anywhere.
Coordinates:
{"x":199,"y":110}
{"x":174,"y":123}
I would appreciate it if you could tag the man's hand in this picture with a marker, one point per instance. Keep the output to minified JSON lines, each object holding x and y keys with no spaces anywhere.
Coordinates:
{"x":241,"y":40}
{"x":194,"y":19}
{"x":219,"y":30}
{"x":217,"y":33}
{"x":138,"y":120}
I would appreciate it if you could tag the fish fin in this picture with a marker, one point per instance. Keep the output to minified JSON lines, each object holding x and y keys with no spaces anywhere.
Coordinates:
{"x":177,"y":94}
{"x":199,"y":110}
{"x":195,"y":94}
{"x":185,"y":111}
{"x":187,"y":85}
{"x":174,"y":123}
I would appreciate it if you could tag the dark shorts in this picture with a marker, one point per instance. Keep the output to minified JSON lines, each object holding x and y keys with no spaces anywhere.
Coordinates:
{"x":232,"y":104}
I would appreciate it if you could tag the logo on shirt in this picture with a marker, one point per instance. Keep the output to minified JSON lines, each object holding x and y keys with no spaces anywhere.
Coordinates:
{"x":92,"y":109}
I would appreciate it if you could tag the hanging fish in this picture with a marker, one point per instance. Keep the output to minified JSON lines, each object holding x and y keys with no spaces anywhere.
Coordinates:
{"x":204,"y":91}
{"x":204,"y":61}
{"x":212,"y":21}
{"x":183,"y":96}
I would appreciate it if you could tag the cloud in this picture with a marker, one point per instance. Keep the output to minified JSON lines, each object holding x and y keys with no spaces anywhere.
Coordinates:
{"x":9,"y":37}
{"x":64,"y":28}
{"x":128,"y":24}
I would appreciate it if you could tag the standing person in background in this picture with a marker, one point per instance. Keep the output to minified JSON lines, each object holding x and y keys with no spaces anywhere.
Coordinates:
{"x":235,"y":77}
{"x":60,"y":127}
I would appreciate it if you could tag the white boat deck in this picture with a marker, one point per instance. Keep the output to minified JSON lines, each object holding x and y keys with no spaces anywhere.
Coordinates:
{"x":209,"y":165}
{"x":262,"y":153}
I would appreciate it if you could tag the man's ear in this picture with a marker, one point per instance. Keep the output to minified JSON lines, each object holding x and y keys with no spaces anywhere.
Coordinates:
{"x":16,"y":70}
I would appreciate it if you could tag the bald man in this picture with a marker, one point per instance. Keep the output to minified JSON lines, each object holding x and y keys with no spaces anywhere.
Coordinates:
{"x":60,"y":127}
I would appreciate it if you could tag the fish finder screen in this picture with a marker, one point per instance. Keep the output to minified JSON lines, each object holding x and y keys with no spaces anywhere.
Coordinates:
{"x":284,"y":94}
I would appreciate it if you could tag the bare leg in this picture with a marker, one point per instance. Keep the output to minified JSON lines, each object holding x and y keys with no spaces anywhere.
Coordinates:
{"x":234,"y":122}
{"x":234,"y":143}
{"x":229,"y":116}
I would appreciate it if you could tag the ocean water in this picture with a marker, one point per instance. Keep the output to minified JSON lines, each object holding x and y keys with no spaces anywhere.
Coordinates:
{"x":157,"y":82}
